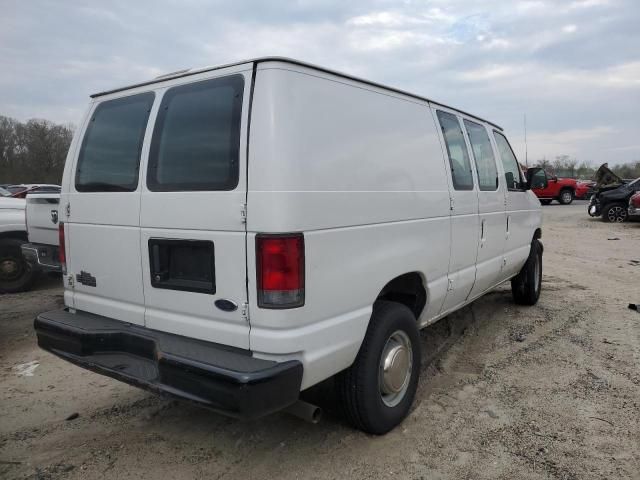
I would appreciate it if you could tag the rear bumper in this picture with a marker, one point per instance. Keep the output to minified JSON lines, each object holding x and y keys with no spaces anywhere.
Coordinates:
{"x":634,"y":211}
{"x":42,"y":257}
{"x":226,"y":379}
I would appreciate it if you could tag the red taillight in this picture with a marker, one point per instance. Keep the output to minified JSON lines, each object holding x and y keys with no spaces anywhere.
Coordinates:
{"x":62,"y":256}
{"x":280,"y":270}
{"x":635,"y":200}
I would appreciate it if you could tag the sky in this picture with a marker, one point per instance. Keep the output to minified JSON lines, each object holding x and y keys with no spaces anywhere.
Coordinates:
{"x":572,"y":67}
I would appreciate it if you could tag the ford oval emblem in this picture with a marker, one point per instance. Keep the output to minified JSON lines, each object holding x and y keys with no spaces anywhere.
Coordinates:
{"x":226,"y":305}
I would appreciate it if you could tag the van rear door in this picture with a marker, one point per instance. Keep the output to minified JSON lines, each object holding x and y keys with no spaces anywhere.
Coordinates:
{"x":193,"y":236}
{"x":101,"y":208}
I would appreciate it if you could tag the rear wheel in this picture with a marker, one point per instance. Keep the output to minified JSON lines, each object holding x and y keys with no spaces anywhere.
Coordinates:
{"x":616,"y":212}
{"x":526,"y":286}
{"x":377,"y":391}
{"x":16,"y":275}
{"x":566,"y":196}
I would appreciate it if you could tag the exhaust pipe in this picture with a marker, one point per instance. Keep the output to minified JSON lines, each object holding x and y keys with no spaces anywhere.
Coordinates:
{"x":306,"y":411}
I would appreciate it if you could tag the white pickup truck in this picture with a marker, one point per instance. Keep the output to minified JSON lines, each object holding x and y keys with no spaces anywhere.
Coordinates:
{"x":15,"y":274}
{"x":42,"y":230}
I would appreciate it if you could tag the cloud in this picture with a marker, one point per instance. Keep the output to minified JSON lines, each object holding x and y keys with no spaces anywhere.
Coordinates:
{"x":573,"y":67}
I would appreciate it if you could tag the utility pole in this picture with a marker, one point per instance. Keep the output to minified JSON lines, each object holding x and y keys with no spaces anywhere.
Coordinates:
{"x":526,"y":152}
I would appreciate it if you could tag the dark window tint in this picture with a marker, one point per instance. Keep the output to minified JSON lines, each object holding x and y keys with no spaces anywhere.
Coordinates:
{"x":110,"y":154}
{"x":512,"y":172}
{"x":483,"y":155}
{"x":457,"y":151}
{"x":196,"y":140}
{"x":539,"y":179}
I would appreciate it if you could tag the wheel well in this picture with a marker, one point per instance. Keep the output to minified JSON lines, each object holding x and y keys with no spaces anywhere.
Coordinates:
{"x":537,"y":235}
{"x":15,"y":234}
{"x":407,"y":289}
{"x":571,"y":189}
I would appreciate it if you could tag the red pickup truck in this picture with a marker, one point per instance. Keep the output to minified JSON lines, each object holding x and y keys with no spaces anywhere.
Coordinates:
{"x":548,"y":187}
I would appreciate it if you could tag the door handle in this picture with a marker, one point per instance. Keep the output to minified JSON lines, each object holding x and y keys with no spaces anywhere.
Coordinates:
{"x":482,"y":239}
{"x":508,"y":225}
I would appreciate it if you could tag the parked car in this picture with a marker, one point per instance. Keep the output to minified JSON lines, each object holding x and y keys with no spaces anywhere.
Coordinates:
{"x":548,"y":187}
{"x":235,"y":235}
{"x":42,"y":218}
{"x":585,"y":189}
{"x":634,"y":205}
{"x":611,"y":200}
{"x":15,"y":273}
{"x":21,"y":191}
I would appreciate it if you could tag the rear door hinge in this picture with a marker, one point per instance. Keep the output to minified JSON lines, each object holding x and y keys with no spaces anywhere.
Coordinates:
{"x":70,"y":282}
{"x":67,"y":210}
{"x":244,"y":311}
{"x":243,"y":213}
{"x":452,"y":203}
{"x":450,"y":286}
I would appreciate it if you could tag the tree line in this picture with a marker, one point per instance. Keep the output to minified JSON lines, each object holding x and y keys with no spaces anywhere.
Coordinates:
{"x":566,"y":166}
{"x":35,"y":151}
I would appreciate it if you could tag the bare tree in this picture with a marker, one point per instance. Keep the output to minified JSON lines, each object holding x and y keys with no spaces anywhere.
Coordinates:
{"x":33,"y":152}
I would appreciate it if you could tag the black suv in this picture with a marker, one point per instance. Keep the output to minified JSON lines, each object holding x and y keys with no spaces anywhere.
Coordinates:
{"x":612,"y":203}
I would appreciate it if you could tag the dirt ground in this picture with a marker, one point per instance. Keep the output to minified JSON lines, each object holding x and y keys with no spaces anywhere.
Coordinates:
{"x":551,"y":391}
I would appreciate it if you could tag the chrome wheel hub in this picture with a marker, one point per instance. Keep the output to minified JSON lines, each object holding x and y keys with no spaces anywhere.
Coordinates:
{"x":396,"y":364}
{"x":566,"y":196}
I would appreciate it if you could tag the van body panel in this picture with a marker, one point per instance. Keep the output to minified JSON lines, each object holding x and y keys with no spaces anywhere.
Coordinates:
{"x":464,"y":227}
{"x":103,"y":231}
{"x":493,"y":226}
{"x":338,"y":307}
{"x":338,"y":155}
{"x":206,"y":215}
{"x":360,"y":172}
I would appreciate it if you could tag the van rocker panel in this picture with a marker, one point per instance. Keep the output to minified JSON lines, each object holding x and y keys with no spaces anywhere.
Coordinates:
{"x":225,"y":379}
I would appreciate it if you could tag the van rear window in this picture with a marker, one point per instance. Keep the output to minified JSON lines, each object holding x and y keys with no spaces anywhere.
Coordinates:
{"x":196,"y":139}
{"x":110,"y":153}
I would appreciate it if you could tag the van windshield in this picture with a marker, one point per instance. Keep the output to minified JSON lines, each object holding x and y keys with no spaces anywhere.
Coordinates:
{"x":109,"y":158}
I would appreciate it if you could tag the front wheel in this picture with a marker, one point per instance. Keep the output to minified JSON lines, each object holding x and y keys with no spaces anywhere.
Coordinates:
{"x":377,"y":391}
{"x":616,"y":212}
{"x":526,"y":286}
{"x":16,"y":274}
{"x":566,"y":197}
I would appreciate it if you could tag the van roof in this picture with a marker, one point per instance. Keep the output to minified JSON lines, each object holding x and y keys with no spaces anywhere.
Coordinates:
{"x":188,"y":72}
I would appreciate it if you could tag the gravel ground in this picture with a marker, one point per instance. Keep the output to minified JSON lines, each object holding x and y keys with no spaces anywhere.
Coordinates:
{"x":551,"y":391}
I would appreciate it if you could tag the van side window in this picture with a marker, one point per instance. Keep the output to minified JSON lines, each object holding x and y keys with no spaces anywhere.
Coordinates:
{"x":109,"y":157}
{"x":196,"y":139}
{"x":483,"y":154}
{"x":512,"y":171}
{"x":457,"y":151}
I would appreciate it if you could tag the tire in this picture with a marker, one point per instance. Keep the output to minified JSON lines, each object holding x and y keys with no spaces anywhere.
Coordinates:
{"x":566,"y":196}
{"x":16,"y":274}
{"x":545,"y":202}
{"x":526,"y":286}
{"x":616,"y":212}
{"x":361,"y":387}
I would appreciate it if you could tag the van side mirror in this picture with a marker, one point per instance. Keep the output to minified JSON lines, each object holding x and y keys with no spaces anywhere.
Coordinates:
{"x":536,"y":178}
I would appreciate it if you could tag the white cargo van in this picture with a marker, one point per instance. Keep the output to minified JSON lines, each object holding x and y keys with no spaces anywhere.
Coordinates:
{"x":235,"y":235}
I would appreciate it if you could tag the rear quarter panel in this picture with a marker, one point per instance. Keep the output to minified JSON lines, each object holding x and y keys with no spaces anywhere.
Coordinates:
{"x":361,"y":173}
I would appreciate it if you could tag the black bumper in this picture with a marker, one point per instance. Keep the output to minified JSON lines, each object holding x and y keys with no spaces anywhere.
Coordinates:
{"x":42,"y":257}
{"x":226,"y":379}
